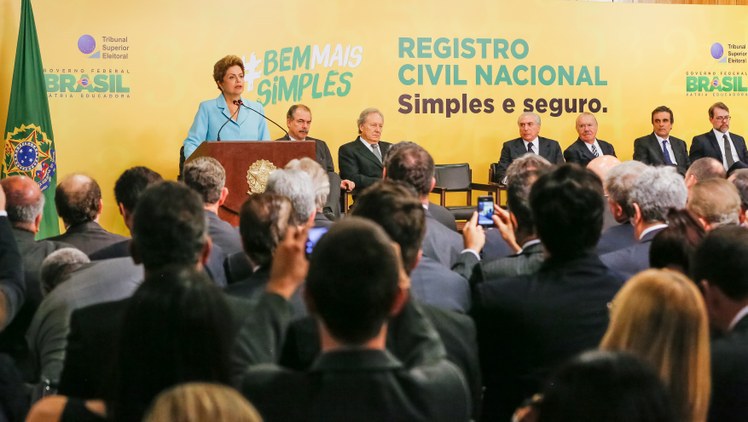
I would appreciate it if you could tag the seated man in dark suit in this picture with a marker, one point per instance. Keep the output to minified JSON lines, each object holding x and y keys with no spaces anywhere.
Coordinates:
{"x":409,"y":163}
{"x":352,"y":296}
{"x":655,"y":191}
{"x":12,"y":288}
{"x":207,"y":177}
{"x":79,"y":204}
{"x":528,"y":142}
{"x":721,"y":270}
{"x":263,"y":221}
{"x":396,"y":209}
{"x":587,"y":147}
{"x":659,"y":148}
{"x":361,"y":159}
{"x":529,"y":324}
{"x":25,"y":204}
{"x":518,"y":222}
{"x":169,"y":230}
{"x":127,"y":189}
{"x":719,"y":143}
{"x":618,"y":183}
{"x":299,"y":121}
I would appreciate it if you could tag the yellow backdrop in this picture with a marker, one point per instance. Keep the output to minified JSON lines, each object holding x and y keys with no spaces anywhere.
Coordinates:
{"x":125,"y":78}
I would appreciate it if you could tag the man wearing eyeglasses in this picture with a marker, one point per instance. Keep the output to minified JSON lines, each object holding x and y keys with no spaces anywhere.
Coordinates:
{"x":719,"y":143}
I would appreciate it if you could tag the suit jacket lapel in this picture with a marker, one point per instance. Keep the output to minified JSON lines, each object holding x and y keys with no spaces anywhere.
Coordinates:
{"x":366,"y":152}
{"x":586,"y":153}
{"x":518,"y":146}
{"x":713,"y":140}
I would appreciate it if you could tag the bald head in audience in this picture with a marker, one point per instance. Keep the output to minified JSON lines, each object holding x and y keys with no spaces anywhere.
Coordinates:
{"x":78,"y":200}
{"x":602,"y":165}
{"x":704,"y":169}
{"x":25,"y":202}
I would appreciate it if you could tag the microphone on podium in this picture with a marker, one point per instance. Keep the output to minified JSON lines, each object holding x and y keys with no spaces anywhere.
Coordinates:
{"x":241,"y":104}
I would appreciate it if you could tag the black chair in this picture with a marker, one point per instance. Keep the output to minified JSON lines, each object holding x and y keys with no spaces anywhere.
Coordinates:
{"x":458,"y":178}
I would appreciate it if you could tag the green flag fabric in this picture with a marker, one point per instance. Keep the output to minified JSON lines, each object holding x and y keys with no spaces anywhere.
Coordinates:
{"x":29,"y":141}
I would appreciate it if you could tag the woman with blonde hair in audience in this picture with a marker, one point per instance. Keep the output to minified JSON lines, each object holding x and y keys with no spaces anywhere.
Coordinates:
{"x":197,"y":402}
{"x":660,"y":316}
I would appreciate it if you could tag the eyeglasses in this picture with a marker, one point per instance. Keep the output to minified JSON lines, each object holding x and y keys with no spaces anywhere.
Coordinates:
{"x":721,"y":118}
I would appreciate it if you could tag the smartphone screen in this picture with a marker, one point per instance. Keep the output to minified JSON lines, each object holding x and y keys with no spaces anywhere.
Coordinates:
{"x":315,"y":233}
{"x":485,"y":210}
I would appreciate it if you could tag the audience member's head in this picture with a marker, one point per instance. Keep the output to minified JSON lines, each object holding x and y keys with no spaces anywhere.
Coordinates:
{"x":659,"y":316}
{"x":740,"y":179}
{"x":296,"y":185}
{"x":673,"y":247}
{"x":704,"y":169}
{"x":263,"y":220}
{"x":169,"y":227}
{"x":176,"y":329}
{"x":409,"y":163}
{"x":519,"y":180}
{"x":567,"y":207}
{"x":654,"y":192}
{"x":208,"y":178}
{"x":320,"y":179}
{"x":198,"y":402}
{"x":128,"y":188}
{"x":395,"y":207}
{"x":605,"y":386}
{"x":78,"y":200}
{"x":352,"y":286}
{"x":526,"y":163}
{"x":24,"y":202}
{"x":618,"y":183}
{"x":602,"y":165}
{"x":58,"y":265}
{"x":720,"y":267}
{"x":714,"y":202}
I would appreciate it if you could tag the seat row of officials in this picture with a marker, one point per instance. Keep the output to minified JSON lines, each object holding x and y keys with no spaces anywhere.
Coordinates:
{"x":360,"y":161}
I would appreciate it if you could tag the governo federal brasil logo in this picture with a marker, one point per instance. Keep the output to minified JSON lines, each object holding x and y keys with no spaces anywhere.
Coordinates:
{"x":29,"y":152}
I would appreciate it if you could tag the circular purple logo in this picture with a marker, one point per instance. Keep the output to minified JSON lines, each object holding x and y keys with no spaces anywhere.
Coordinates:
{"x":87,"y":44}
{"x":717,"y":50}
{"x":83,"y":81}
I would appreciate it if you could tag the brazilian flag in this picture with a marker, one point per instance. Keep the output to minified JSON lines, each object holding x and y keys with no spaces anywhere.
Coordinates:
{"x":29,"y":141}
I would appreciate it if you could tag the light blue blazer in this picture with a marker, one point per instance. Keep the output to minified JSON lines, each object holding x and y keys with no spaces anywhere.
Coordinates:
{"x":212,"y":114}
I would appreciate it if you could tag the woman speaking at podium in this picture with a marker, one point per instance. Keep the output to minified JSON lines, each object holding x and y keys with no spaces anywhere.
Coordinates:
{"x":228,"y":117}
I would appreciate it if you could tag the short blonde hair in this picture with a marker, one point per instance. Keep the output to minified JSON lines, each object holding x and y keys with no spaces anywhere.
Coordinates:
{"x":660,"y":316}
{"x":197,"y":402}
{"x":221,"y":66}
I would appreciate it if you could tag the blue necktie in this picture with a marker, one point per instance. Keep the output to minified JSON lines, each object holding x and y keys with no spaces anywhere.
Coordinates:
{"x":666,"y":153}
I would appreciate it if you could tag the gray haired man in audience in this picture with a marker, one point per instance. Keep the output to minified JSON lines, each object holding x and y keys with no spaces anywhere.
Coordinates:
{"x":656,"y":190}
{"x":715,"y":202}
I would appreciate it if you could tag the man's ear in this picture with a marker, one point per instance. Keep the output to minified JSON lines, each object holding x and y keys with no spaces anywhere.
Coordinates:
{"x":401,"y":298}
{"x":433,"y":183}
{"x":637,"y":218}
{"x":37,"y":222}
{"x":384,"y":173}
{"x":224,"y":195}
{"x":121,"y":208}
{"x":205,"y":251}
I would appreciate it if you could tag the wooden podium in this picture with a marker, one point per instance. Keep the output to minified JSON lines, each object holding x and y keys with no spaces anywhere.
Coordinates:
{"x":237,"y":157}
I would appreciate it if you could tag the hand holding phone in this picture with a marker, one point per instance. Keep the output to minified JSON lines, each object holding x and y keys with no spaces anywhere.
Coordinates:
{"x":485,"y":211}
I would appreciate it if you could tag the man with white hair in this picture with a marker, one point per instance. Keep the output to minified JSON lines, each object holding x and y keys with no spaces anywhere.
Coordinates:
{"x":320,"y":183}
{"x":618,"y":183}
{"x":715,"y":202}
{"x":656,"y":190}
{"x":295,"y":185}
